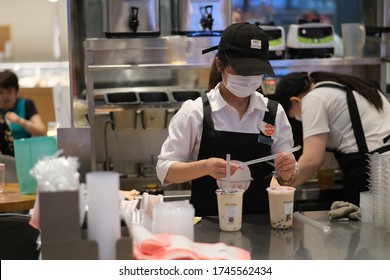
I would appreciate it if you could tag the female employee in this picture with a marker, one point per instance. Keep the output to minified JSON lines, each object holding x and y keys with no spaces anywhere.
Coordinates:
{"x":231,"y":119}
{"x":19,"y":112}
{"x":339,"y":113}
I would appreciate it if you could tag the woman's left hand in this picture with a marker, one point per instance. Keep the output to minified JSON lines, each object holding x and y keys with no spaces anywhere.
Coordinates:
{"x":285,"y":165}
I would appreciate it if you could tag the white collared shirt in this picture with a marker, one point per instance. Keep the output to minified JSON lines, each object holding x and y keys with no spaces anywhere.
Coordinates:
{"x":325,"y":110}
{"x":186,"y":126}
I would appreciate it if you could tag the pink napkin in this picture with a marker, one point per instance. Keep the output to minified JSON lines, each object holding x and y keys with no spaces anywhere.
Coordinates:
{"x":148,"y":246}
{"x":34,"y":220}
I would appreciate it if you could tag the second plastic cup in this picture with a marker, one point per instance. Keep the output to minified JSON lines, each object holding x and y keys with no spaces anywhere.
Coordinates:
{"x":281,"y":206}
{"x":230,"y":209}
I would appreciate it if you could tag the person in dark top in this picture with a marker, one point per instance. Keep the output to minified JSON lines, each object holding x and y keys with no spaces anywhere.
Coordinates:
{"x":6,"y":138}
{"x":20,"y":113}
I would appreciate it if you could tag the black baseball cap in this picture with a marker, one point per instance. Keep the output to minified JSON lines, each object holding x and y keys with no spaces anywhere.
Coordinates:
{"x":246,"y":48}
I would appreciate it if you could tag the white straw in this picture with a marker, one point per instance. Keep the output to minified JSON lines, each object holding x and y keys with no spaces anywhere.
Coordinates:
{"x":271,"y":156}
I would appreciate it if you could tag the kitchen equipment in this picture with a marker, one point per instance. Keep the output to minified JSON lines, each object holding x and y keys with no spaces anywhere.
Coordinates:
{"x":118,"y":98}
{"x":154,"y":118}
{"x":125,"y":120}
{"x":276,"y":39}
{"x":310,"y":40}
{"x":157,"y":97}
{"x":376,"y":18}
{"x":201,"y":17}
{"x":181,"y":96}
{"x":133,"y":18}
{"x":154,"y":115}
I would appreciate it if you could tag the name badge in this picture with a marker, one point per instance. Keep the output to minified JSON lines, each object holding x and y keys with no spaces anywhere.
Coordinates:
{"x":265,"y":140}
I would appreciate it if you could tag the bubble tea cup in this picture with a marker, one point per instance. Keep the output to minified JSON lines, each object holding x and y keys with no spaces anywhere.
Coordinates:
{"x":281,"y":206}
{"x":230,"y":209}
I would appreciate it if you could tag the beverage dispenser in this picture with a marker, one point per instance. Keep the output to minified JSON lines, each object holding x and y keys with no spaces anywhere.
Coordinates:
{"x":200,"y":17}
{"x":133,"y":18}
{"x":377,"y":23}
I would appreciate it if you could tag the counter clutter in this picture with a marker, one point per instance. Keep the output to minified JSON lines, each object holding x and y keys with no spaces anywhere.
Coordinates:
{"x":175,"y":235}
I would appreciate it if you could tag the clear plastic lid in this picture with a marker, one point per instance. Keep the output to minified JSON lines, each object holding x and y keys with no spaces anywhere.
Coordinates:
{"x":240,"y":180}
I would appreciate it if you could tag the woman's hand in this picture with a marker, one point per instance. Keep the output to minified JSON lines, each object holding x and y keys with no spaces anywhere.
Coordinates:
{"x":285,"y":166}
{"x":216,"y":167}
{"x":12,"y":117}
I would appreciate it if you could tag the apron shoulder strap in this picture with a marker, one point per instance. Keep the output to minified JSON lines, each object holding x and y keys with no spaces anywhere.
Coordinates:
{"x":207,"y":120}
{"x":269,"y":118}
{"x":355,"y":117}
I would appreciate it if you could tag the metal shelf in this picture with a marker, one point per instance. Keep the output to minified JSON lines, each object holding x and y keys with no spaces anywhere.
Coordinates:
{"x":281,"y":63}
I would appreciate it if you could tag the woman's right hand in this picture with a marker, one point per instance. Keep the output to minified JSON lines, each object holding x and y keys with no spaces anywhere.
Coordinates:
{"x":12,"y":117}
{"x":216,"y":167}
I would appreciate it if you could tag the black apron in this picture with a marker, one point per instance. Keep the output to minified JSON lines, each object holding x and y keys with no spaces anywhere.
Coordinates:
{"x":355,"y":166}
{"x":241,"y":146}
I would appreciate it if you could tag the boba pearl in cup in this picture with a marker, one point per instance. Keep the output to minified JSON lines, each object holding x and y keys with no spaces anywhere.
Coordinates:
{"x":230,"y":209}
{"x":281,"y":206}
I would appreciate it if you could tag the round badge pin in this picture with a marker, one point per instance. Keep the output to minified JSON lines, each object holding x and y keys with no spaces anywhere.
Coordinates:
{"x":269,"y":129}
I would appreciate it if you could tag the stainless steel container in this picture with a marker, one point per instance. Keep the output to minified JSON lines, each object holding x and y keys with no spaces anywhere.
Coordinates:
{"x":377,"y":23}
{"x":201,"y":17}
{"x":133,"y":18}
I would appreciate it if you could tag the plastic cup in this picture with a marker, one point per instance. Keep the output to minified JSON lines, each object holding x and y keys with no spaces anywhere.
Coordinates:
{"x":367,"y":206}
{"x":354,"y":38}
{"x":230,"y":209}
{"x":281,"y":206}
{"x":174,"y":217}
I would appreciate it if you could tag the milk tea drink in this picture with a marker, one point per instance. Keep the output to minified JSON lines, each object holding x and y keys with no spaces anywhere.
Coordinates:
{"x":281,"y":206}
{"x":230,"y":209}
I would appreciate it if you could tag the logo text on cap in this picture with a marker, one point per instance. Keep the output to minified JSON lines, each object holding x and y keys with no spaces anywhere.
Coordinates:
{"x":255,"y":44}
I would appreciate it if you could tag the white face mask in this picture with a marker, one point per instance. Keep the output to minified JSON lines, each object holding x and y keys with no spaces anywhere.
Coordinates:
{"x":298,"y":118}
{"x":242,"y":86}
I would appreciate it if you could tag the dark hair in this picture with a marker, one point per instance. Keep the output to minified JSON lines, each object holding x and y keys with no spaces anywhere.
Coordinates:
{"x":291,"y":85}
{"x":8,"y":80}
{"x":296,"y":83}
{"x":215,"y":76}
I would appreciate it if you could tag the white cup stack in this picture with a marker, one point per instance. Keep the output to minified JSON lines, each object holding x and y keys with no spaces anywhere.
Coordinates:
{"x":379,"y":178}
{"x":174,"y":217}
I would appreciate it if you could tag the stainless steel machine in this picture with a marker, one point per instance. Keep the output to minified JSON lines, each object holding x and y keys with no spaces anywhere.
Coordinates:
{"x":200,"y":17}
{"x":133,"y":18}
{"x":377,"y":23}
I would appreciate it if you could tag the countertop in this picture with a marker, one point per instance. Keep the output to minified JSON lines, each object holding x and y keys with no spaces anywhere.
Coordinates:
{"x":347,"y":240}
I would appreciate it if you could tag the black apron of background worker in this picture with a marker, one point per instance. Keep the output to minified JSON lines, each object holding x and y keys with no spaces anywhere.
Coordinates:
{"x":241,"y":146}
{"x":355,"y":166}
